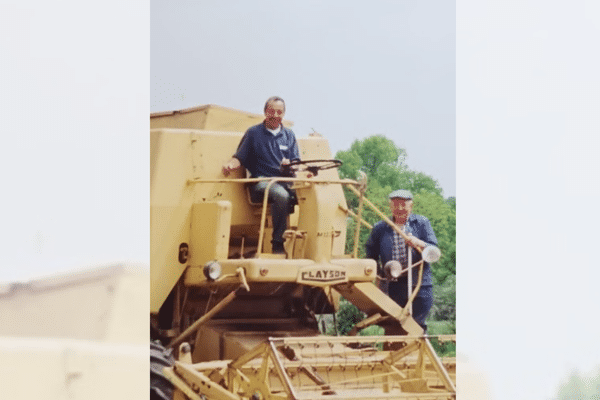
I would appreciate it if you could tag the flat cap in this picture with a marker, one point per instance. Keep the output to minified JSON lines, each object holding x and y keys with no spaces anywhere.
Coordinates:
{"x":401,"y":194}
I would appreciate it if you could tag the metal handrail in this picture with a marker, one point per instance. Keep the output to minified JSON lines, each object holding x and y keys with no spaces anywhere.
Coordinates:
{"x":272,"y":180}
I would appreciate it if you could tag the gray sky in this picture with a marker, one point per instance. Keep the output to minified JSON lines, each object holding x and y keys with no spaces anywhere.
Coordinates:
{"x":348,"y":71}
{"x":74,"y":159}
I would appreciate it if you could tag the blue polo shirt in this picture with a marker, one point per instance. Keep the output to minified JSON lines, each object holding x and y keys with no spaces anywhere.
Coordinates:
{"x":261,"y":152}
{"x":381,"y":241}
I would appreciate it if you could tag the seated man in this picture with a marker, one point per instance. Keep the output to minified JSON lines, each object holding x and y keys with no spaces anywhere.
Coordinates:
{"x":262,"y":151}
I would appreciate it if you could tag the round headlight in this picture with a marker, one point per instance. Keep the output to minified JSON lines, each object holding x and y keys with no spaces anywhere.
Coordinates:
{"x":431,"y":254}
{"x":212,"y":270}
{"x":392,"y":269}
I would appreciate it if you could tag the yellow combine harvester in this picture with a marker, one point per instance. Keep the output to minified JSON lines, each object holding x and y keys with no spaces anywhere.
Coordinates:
{"x":231,"y":320}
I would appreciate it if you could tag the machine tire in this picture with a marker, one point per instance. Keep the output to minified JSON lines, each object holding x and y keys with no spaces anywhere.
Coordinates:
{"x":160,"y":387}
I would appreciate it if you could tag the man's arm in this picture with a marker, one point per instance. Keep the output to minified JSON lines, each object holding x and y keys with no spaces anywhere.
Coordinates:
{"x":426,"y":236}
{"x":241,"y":154}
{"x":415,"y":242}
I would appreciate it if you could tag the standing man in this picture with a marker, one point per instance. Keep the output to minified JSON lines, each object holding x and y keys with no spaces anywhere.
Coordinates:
{"x":384,"y":244}
{"x":262,"y":151}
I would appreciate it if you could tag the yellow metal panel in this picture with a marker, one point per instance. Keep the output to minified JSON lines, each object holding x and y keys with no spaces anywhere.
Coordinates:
{"x":169,"y":229}
{"x":171,"y":201}
{"x":224,"y":119}
{"x":368,"y":298}
{"x":316,"y":148}
{"x":209,"y":237}
{"x":209,"y":151}
{"x":207,"y":345}
{"x":322,"y":219}
{"x":328,"y":196}
{"x":284,"y":270}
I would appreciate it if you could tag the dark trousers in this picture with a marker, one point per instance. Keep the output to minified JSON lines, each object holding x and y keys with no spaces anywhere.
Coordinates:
{"x":281,"y":200}
{"x":398,"y":291}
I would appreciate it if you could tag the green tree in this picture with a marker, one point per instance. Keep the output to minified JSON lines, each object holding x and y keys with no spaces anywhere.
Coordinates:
{"x":452,"y":203}
{"x":444,"y":308}
{"x":372,"y":155}
{"x":348,"y":316}
{"x":443,"y":222}
{"x":384,"y":163}
{"x":578,"y":387}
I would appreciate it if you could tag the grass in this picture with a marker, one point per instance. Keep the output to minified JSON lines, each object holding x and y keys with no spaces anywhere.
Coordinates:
{"x":441,"y":327}
{"x":447,"y":349}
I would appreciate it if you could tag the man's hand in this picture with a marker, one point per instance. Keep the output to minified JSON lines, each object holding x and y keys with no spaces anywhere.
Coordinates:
{"x":231,"y":165}
{"x":415,"y":242}
{"x":286,"y":170}
{"x":286,"y":161}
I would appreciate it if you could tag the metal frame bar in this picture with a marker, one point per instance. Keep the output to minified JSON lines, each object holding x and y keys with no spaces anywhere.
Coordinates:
{"x":272,"y":180}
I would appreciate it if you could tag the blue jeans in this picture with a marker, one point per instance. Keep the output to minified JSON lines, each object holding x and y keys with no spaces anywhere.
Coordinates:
{"x":280,"y":200}
{"x":398,"y":291}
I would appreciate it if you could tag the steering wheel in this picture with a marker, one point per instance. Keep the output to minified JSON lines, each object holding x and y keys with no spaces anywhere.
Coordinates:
{"x":312,"y":166}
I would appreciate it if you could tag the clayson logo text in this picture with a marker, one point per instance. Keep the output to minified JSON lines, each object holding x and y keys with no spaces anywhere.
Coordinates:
{"x":323,"y":275}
